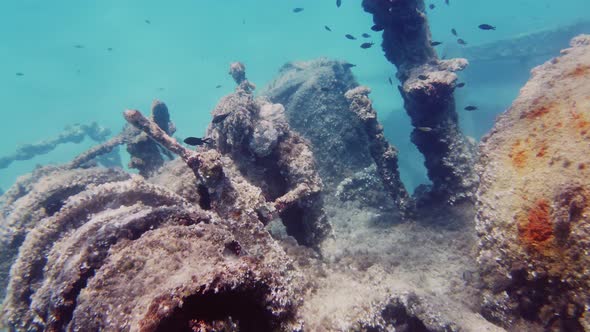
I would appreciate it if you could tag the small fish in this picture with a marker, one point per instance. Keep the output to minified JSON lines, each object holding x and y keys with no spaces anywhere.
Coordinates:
{"x":471,"y":108}
{"x":20,"y":74}
{"x":377,"y":27}
{"x":219,"y":118}
{"x":423,"y":77}
{"x":348,"y":65}
{"x":110,"y":49}
{"x":78,"y":46}
{"x":487,"y":27}
{"x":338,"y":3}
{"x":447,"y":2}
{"x":424,"y":129}
{"x":454,"y":32}
{"x":349,"y":36}
{"x":367,"y":45}
{"x":460,"y":85}
{"x":461,"y":42}
{"x":297,"y":10}
{"x":195,"y":141}
{"x":327,"y":28}
{"x":217,"y":86}
{"x":435,"y":43}
{"x":243,"y":21}
{"x":390,"y":81}
{"x":366,"y":35}
{"x":432,"y":6}
{"x":161,"y":89}
{"x":148,"y":21}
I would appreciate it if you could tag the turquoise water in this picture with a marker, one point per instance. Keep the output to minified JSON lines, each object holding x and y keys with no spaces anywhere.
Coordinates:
{"x":185,"y":50}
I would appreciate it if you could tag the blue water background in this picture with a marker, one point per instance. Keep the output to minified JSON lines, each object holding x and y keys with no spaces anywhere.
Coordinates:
{"x":185,"y":51}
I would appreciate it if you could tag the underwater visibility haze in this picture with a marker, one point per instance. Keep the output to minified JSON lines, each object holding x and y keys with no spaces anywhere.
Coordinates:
{"x":295,"y":165}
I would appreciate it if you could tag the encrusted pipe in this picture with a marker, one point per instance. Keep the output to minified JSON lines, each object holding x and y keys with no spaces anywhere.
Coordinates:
{"x":146,"y":155}
{"x":383,"y":153}
{"x":72,"y":134}
{"x":237,"y":70}
{"x":156,"y":133}
{"x":427,"y":86}
{"x":99,"y":150}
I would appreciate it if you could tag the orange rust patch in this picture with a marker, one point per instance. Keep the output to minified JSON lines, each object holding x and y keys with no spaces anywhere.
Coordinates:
{"x":580,"y":123}
{"x":579,"y":120}
{"x":537,"y":228}
{"x":518,"y":155}
{"x":580,"y":71}
{"x":519,"y":159}
{"x":542,"y":151}
{"x":537,"y":112}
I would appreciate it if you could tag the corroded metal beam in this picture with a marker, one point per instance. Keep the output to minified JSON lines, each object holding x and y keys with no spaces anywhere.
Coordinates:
{"x":427,"y":85}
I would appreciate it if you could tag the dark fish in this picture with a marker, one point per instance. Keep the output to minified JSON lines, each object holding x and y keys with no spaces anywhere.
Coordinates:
{"x":487,"y":27}
{"x":432,"y":6}
{"x":454,"y":32}
{"x":348,"y":65}
{"x":297,"y":10}
{"x":367,"y":45}
{"x":148,"y":21}
{"x":423,"y":77}
{"x":390,"y":81}
{"x":351,"y":37}
{"x":217,"y":86}
{"x":325,"y":89}
{"x":435,"y":43}
{"x":447,"y":2}
{"x":219,"y":118}
{"x":20,"y":74}
{"x":327,"y":28}
{"x":366,"y":35}
{"x":377,"y":27}
{"x":195,"y":141}
{"x":460,"y":85}
{"x":79,"y":46}
{"x":338,"y":3}
{"x":471,"y":108}
{"x":461,"y":42}
{"x":109,"y":49}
